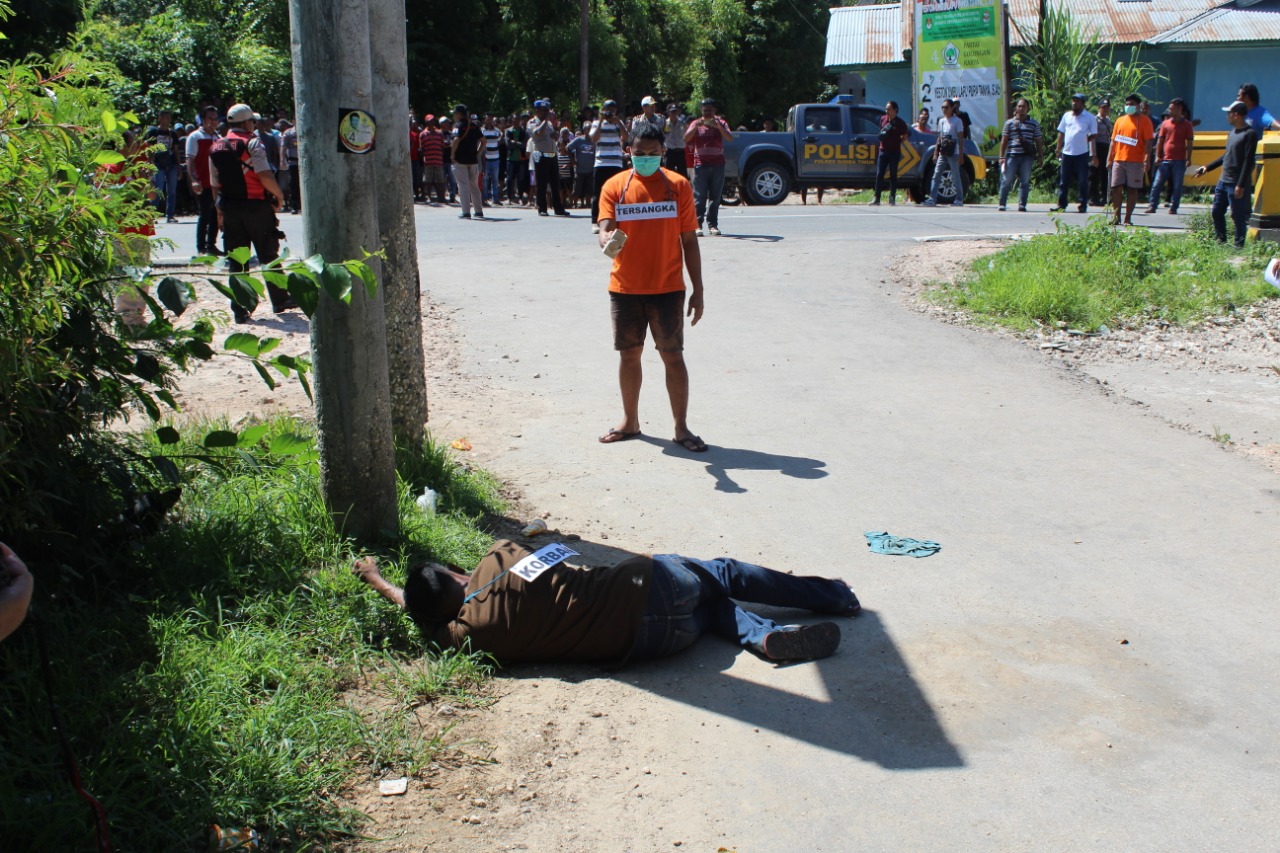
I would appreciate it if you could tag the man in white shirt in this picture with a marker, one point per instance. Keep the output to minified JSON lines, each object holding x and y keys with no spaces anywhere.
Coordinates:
{"x":1076,"y":134}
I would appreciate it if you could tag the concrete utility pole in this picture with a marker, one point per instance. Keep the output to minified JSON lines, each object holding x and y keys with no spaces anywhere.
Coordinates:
{"x":332,"y":74}
{"x":584,"y":44}
{"x":400,"y":280}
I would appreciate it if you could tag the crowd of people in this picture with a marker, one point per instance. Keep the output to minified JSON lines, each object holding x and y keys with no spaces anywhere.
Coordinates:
{"x":557,"y":162}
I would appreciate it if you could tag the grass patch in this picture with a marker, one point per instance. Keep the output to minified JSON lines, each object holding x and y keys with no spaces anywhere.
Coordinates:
{"x":1093,"y":275}
{"x":203,"y":675}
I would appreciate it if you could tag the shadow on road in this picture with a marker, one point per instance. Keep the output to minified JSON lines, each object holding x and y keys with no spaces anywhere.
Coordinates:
{"x":289,"y":321}
{"x":753,"y":238}
{"x":721,"y":460}
{"x":873,"y":708}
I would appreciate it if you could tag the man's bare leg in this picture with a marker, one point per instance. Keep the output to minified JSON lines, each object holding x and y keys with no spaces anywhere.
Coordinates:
{"x":678,"y":391}
{"x":1130,"y":203}
{"x":1117,"y":196}
{"x":630,"y":377}
{"x":367,"y":570}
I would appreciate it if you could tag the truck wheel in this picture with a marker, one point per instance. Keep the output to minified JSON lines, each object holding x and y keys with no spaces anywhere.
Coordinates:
{"x":947,"y":189}
{"x":767,"y":183}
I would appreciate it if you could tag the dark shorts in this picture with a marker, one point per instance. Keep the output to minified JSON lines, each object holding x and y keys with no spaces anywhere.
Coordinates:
{"x":584,"y":185}
{"x":634,"y":313}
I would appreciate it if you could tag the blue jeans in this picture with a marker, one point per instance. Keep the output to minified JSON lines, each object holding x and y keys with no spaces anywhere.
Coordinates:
{"x":1074,"y":171}
{"x":708,"y":186}
{"x":689,"y":597}
{"x":1016,"y":166}
{"x":941,"y":167}
{"x":492,"y":185}
{"x":1224,"y":196}
{"x":1173,"y":171}
{"x":166,"y":181}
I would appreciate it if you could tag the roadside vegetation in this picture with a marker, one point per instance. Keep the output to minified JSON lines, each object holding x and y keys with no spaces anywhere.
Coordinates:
{"x":197,"y":651}
{"x":208,"y":673}
{"x":1095,"y":275}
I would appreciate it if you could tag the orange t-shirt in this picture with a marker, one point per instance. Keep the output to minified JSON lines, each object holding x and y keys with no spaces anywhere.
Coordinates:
{"x":653,"y":215}
{"x":1131,"y":139}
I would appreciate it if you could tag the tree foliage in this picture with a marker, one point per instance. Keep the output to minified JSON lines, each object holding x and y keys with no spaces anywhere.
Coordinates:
{"x":755,"y":57}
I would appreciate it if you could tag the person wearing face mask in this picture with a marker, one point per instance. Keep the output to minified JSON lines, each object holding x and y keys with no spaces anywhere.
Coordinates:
{"x":1127,"y":159}
{"x":653,"y":209}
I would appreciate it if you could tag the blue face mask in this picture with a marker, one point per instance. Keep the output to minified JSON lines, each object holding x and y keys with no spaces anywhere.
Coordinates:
{"x":646,"y":165}
{"x":1130,"y":109}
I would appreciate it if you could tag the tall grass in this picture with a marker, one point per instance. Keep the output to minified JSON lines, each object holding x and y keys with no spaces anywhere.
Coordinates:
{"x":206,"y":678}
{"x":1098,"y":275}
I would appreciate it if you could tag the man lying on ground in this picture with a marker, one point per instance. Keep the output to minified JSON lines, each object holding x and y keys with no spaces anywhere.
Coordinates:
{"x":520,"y":605}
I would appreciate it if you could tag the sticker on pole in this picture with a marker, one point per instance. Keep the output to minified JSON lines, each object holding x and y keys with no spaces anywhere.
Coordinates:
{"x":357,"y":131}
{"x":539,"y":561}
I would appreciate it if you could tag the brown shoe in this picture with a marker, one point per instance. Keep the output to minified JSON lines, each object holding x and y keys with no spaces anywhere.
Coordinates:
{"x":801,"y":642}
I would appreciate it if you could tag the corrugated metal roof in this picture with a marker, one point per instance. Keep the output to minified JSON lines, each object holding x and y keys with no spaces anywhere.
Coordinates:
{"x":1254,"y":23}
{"x":860,"y":36}
{"x":1113,"y":22}
{"x":866,"y":35}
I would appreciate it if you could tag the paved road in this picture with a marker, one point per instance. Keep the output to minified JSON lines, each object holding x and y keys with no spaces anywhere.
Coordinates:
{"x":987,"y":699}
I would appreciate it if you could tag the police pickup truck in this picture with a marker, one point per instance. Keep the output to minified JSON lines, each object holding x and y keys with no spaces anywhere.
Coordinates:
{"x":833,"y":145}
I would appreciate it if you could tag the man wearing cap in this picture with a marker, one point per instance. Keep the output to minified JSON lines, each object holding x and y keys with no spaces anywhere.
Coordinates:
{"x":1099,"y":180}
{"x":609,"y":135}
{"x":648,"y":116}
{"x":245,"y":189}
{"x":707,"y":137}
{"x":1127,"y":159}
{"x":542,"y":133}
{"x":1076,"y":134}
{"x":1235,"y":187}
{"x":674,"y":129}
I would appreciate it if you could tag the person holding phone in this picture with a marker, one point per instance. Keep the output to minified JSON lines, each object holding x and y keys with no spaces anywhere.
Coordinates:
{"x":707,"y":137}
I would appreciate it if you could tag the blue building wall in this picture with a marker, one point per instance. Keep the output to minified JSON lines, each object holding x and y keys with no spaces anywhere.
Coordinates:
{"x":891,"y":84}
{"x":1219,"y":73}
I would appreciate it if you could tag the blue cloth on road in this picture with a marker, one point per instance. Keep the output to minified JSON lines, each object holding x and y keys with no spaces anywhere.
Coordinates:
{"x":883,"y":543}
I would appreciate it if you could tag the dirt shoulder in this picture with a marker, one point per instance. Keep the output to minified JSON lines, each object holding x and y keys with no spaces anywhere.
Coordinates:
{"x":1219,"y":378}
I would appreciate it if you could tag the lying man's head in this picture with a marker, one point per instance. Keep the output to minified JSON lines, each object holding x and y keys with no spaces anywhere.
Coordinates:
{"x":433,"y":594}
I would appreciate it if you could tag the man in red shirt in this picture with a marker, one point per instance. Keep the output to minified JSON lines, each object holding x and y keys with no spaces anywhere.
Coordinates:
{"x":1172,"y":155}
{"x":706,"y":138}
{"x":431,"y":145}
{"x":198,"y":144}
{"x":652,"y":209}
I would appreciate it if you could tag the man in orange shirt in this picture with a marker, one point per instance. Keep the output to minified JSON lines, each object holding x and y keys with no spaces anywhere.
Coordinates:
{"x":1127,"y":160}
{"x":653,"y":210}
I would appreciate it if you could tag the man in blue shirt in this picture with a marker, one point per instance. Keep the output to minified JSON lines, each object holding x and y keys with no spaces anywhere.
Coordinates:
{"x":1258,"y":117}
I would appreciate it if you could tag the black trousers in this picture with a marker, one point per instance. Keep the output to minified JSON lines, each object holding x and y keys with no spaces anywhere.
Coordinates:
{"x":674,"y":160}
{"x":295,"y":188}
{"x":548,"y":174}
{"x":207,"y":224}
{"x":253,"y":223}
{"x":603,"y":173}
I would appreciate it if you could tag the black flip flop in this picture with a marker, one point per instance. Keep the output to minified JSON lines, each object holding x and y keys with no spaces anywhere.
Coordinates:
{"x":691,"y":443}
{"x":613,"y":436}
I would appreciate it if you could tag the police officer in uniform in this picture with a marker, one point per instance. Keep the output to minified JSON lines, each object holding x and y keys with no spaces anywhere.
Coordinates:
{"x":245,"y":188}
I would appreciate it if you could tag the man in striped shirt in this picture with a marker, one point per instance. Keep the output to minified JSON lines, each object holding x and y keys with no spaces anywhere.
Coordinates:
{"x":431,"y":143}
{"x":1021,"y":144}
{"x":609,"y":135}
{"x":491,"y":134}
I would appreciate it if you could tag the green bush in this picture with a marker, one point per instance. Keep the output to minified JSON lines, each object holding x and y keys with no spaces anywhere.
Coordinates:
{"x":1098,"y":275}
{"x":205,"y":674}
{"x":69,"y":366}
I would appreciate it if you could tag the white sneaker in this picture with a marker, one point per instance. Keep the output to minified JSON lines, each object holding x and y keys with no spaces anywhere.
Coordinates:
{"x":698,"y":232}
{"x":595,"y":229}
{"x":715,"y":232}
